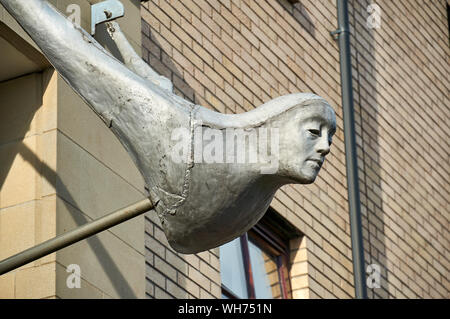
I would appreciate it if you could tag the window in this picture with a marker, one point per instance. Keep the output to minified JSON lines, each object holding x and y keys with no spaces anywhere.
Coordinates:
{"x":256,"y":265}
{"x":448,"y":20}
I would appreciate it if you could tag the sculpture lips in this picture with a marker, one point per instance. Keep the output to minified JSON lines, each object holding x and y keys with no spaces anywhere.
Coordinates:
{"x":319,"y":162}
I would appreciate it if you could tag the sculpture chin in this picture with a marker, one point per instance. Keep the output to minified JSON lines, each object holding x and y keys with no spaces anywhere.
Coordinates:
{"x":300,"y":176}
{"x":306,"y":179}
{"x":310,"y":180}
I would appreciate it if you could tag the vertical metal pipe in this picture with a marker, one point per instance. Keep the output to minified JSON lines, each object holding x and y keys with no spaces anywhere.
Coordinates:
{"x":350,"y":150}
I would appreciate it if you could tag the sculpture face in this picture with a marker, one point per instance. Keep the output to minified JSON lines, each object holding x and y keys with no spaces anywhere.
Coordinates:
{"x":306,"y":140}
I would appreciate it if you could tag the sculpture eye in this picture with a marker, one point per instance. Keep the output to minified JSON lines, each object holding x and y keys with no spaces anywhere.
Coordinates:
{"x":314,"y":132}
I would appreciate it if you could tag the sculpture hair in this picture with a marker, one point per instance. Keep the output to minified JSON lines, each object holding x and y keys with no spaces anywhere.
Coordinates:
{"x":261,"y":114}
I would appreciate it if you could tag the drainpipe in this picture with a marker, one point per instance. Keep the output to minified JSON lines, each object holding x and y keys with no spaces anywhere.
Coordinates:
{"x":343,"y":36}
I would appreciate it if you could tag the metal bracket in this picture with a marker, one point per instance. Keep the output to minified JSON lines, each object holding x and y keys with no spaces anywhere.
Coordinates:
{"x":336,"y":33}
{"x":105,"y":11}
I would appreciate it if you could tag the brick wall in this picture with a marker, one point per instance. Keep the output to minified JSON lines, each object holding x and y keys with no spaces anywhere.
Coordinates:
{"x":402,"y":101}
{"x":232,"y":56}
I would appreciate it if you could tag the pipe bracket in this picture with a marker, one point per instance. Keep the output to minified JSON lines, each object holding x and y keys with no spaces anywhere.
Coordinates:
{"x":336,"y":33}
{"x":105,"y":11}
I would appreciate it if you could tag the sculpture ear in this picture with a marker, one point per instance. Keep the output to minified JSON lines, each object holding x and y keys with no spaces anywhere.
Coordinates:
{"x":133,"y":61}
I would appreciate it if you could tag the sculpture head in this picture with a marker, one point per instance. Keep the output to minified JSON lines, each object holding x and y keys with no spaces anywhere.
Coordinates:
{"x":306,"y":132}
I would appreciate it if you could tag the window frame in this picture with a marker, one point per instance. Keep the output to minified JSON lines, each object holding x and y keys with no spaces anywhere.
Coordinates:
{"x":267,"y":238}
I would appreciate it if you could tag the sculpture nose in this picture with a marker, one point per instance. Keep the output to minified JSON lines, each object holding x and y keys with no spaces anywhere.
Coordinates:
{"x":323,"y":145}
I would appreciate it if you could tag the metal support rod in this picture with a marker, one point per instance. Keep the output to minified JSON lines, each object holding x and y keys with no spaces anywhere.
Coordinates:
{"x":343,"y":34}
{"x":73,"y":236}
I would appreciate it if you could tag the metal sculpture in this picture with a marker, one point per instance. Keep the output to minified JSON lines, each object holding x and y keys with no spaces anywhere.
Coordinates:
{"x":202,"y":202}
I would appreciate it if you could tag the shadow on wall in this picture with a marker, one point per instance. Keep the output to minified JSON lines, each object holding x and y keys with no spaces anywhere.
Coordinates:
{"x":13,"y":148}
{"x":116,"y":277}
{"x":154,"y":54}
{"x":368,"y":148}
{"x":16,"y":120}
{"x":298,"y":11}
